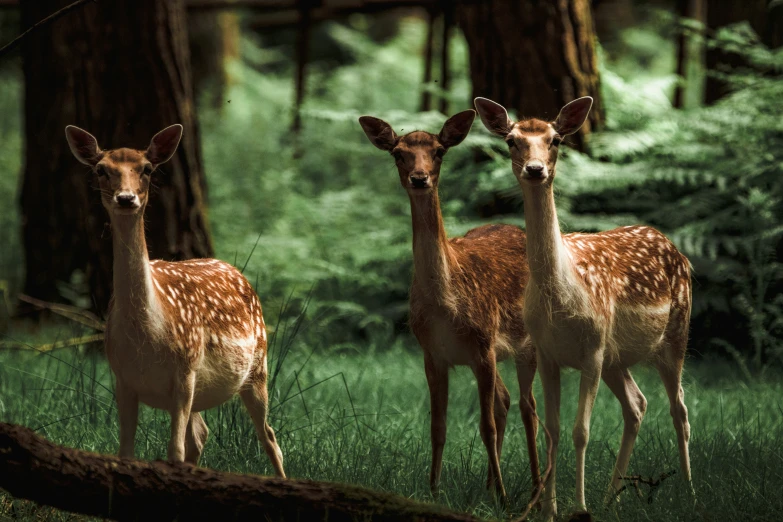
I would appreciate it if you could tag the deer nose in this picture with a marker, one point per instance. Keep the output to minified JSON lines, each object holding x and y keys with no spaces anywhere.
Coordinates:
{"x":420,"y":180}
{"x":534,"y":169}
{"x":126,"y":200}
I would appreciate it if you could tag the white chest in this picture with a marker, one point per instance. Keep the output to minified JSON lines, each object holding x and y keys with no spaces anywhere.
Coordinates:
{"x":562,"y":326}
{"x":140,"y":355}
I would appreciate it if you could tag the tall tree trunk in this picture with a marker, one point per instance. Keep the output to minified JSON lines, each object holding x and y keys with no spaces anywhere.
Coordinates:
{"x":611,"y":18}
{"x":766,"y":19}
{"x":533,"y":56}
{"x":121,"y":70}
{"x":214,"y":43}
{"x":690,"y":56}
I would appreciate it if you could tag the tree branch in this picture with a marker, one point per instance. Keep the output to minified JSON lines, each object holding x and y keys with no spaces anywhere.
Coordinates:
{"x":73,"y":313}
{"x":13,"y":44}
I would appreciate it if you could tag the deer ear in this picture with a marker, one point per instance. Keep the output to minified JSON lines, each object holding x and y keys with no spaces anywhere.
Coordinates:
{"x":456,"y":128}
{"x":493,"y":116}
{"x":164,"y":144}
{"x":379,"y":132}
{"x":573,"y":116}
{"x":83,"y":145}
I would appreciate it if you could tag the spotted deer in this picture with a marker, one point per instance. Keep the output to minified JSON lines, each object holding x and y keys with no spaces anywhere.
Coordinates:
{"x":466,"y":297}
{"x":599,"y":303}
{"x":181,"y":337}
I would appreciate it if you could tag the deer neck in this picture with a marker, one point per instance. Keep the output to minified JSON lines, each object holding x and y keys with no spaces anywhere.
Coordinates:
{"x":431,"y":251}
{"x":133,"y":287}
{"x":550,"y":265}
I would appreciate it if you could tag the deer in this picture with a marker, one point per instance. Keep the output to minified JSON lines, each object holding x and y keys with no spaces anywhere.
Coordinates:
{"x":466,"y":298}
{"x":180,"y":336}
{"x":599,"y":303}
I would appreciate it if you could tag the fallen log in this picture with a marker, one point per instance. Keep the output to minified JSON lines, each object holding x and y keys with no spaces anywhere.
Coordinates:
{"x":127,"y":489}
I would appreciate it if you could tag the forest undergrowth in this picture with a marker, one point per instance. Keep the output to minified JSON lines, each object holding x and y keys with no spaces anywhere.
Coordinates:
{"x":323,"y":228}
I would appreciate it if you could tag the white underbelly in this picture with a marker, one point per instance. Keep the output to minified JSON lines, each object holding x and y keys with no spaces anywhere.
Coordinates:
{"x":156,"y":372}
{"x":565,"y":338}
{"x":637,"y":333}
{"x":220,"y":378}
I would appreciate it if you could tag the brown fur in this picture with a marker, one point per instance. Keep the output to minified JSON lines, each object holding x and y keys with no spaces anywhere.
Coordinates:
{"x":207,"y":300}
{"x":466,"y":297}
{"x":633,"y":265}
{"x":485,"y":288}
{"x":182,"y":336}
{"x":599,"y":303}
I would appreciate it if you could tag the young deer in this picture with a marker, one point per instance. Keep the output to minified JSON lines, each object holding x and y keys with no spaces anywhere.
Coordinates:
{"x":599,"y":303}
{"x":466,"y":297}
{"x":181,"y":337}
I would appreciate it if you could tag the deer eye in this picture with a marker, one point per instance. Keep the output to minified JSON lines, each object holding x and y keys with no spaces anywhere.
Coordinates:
{"x":511,"y":143}
{"x":440,"y":152}
{"x":397,"y":155}
{"x":557,"y":140}
{"x":101,"y":171}
{"x":147,"y":170}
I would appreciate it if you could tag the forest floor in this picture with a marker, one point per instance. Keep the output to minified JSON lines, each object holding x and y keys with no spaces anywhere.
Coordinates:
{"x":361,"y":416}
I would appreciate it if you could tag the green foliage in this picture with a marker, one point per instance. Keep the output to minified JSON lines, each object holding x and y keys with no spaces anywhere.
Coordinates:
{"x":710,"y":178}
{"x":10,"y":164}
{"x":322,"y":213}
{"x":320,"y":218}
{"x":325,"y":207}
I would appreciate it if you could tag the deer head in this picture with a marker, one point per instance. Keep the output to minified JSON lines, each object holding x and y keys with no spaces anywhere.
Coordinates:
{"x":123,"y":174}
{"x":418,"y":154}
{"x":533,"y":143}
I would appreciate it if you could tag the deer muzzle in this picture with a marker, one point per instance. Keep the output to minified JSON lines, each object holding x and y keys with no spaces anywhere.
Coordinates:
{"x":535,"y":170}
{"x":421,"y":181}
{"x":127,"y":200}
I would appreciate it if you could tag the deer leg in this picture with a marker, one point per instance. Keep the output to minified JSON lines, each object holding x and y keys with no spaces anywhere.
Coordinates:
{"x":180,"y":416}
{"x":502,"y":405}
{"x":438,"y":382}
{"x":671,"y":376}
{"x":549,"y":372}
{"x":527,"y":406}
{"x":128,"y":409}
{"x":588,"y":389}
{"x":633,"y":404}
{"x":255,"y":398}
{"x":486,"y":376}
{"x":195,"y":438}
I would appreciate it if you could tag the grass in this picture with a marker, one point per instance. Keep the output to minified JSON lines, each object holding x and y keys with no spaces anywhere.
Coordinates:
{"x":334,"y":220}
{"x":361,"y":416}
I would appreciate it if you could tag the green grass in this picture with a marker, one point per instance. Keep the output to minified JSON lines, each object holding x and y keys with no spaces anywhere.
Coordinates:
{"x":362,"y":418}
{"x":334,"y":221}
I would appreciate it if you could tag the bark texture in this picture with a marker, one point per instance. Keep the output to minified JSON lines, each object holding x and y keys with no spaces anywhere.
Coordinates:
{"x":214,"y":43}
{"x":126,"y":489}
{"x":121,"y":70}
{"x":533,"y":56}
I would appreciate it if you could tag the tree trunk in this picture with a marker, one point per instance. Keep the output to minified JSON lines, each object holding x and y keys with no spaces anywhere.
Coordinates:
{"x":121,"y":70}
{"x":690,"y":56}
{"x":533,"y":56}
{"x":214,"y":43}
{"x":766,"y":20}
{"x":127,"y":489}
{"x":611,"y":18}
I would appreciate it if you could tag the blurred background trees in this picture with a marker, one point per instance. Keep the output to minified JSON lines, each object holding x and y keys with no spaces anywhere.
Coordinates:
{"x":316,"y":212}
